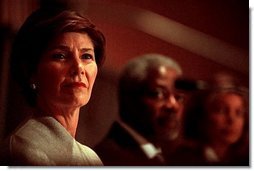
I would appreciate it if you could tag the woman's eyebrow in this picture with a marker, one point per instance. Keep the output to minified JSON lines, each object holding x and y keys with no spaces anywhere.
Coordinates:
{"x":66,"y":48}
{"x":86,"y":49}
{"x":61,"y":47}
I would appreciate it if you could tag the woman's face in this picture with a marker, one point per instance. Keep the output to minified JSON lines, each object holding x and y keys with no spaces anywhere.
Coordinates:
{"x":67,"y":71}
{"x":226,"y":118}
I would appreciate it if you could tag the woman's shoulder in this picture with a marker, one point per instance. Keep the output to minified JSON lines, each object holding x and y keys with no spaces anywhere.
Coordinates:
{"x":39,"y":128}
{"x":43,"y":141}
{"x":24,"y":144}
{"x":37,"y":141}
{"x":89,"y":154}
{"x":187,"y":153}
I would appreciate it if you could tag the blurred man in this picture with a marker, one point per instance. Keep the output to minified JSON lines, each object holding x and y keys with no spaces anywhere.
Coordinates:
{"x":150,"y":114}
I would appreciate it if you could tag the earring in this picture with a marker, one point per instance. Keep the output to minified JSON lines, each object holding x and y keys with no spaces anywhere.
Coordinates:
{"x":33,"y":86}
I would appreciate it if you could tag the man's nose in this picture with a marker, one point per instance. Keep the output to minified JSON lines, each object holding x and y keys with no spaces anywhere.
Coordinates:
{"x":173,"y":107}
{"x":171,"y":102}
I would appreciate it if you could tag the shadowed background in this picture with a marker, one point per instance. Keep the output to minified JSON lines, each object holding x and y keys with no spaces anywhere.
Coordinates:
{"x":205,"y":37}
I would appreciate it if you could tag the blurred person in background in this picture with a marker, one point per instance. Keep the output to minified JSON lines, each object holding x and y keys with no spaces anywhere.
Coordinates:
{"x":217,"y":119}
{"x":150,"y":113}
{"x":55,"y":60}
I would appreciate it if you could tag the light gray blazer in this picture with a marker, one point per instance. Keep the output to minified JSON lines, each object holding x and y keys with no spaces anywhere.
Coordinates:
{"x":45,"y":142}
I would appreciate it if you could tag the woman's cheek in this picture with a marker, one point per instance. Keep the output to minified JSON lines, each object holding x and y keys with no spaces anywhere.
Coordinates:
{"x":92,"y":73}
{"x":216,"y":122}
{"x":50,"y":78}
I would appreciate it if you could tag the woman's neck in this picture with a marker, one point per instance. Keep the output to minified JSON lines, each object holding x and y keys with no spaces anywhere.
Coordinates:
{"x":66,"y":116}
{"x":69,"y":121}
{"x":220,"y":149}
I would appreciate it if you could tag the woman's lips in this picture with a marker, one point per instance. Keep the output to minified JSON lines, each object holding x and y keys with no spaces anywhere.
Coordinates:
{"x":76,"y":84}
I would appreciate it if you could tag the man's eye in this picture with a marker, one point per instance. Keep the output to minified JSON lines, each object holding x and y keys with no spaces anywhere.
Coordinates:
{"x":156,"y":94}
{"x":87,"y":56}
{"x":179,"y":97}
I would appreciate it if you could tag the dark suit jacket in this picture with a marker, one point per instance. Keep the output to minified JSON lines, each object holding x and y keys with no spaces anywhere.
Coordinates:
{"x":119,"y":148}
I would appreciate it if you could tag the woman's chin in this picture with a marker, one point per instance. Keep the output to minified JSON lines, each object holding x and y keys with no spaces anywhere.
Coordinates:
{"x":76,"y":101}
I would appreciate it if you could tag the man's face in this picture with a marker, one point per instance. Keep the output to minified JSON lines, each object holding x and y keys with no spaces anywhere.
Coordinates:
{"x":163,"y":105}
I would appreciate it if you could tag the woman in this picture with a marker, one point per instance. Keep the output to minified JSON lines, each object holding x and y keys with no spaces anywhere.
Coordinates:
{"x":55,"y":59}
{"x":218,"y":119}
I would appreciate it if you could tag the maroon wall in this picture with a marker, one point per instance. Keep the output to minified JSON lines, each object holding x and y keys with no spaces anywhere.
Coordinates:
{"x":226,"y":20}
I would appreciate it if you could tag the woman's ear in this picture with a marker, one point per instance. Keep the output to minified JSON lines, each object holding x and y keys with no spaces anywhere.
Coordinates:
{"x":33,"y":82}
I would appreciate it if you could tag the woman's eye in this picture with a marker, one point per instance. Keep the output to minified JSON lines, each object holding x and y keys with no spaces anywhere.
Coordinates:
{"x":240,"y":113}
{"x":221,"y":111}
{"x":87,"y":56}
{"x":59,"y":56}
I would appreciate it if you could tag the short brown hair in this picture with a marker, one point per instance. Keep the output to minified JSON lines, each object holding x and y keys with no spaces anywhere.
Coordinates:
{"x":35,"y":35}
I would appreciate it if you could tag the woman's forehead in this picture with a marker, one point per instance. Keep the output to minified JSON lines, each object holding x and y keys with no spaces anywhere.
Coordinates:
{"x":69,"y":39}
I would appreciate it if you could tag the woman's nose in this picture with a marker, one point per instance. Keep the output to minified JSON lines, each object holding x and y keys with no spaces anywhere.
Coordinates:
{"x":77,"y":66}
{"x":231,"y":117}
